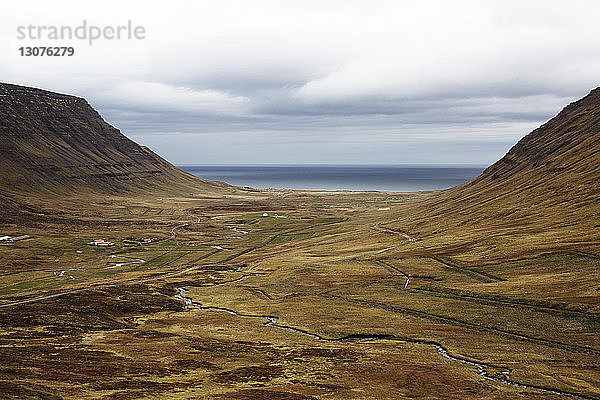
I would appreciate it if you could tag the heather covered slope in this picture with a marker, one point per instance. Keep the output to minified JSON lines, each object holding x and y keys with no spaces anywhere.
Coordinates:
{"x":59,"y":143}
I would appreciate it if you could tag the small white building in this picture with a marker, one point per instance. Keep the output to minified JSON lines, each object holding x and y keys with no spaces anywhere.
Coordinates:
{"x":101,"y":242}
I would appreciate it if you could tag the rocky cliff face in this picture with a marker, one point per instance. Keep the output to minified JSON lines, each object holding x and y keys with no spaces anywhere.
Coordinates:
{"x":55,"y":141}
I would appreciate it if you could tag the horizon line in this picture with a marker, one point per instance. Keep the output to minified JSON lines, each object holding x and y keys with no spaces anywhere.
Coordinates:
{"x":334,"y":165}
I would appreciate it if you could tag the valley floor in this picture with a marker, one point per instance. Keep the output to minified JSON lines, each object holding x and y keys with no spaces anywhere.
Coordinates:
{"x":290,"y":295}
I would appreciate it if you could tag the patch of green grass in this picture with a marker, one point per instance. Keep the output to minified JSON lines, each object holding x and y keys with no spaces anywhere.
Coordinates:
{"x":290,"y":237}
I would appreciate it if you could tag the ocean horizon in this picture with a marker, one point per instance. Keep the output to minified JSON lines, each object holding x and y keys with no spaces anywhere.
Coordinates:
{"x":339,"y":177}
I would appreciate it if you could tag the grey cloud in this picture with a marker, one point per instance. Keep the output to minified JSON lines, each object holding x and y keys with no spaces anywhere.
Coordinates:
{"x":387,"y":82}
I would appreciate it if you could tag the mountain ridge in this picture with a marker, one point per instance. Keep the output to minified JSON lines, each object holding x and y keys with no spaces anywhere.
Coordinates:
{"x":53,"y":141}
{"x":566,"y":131}
{"x":543,"y":194}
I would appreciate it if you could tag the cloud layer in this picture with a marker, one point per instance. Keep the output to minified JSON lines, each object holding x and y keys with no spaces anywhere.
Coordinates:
{"x":222,"y":82}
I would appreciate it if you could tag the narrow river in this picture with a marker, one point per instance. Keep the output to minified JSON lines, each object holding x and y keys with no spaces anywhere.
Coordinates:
{"x":483,"y":369}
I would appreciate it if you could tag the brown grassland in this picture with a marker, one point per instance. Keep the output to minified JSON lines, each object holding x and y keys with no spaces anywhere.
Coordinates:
{"x":335,"y":270}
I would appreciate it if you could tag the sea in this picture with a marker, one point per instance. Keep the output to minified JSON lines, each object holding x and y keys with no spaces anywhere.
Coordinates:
{"x":385,"y":178}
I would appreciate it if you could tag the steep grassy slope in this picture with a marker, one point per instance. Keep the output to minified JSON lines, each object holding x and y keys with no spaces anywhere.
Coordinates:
{"x":545,"y":192}
{"x":59,"y":143}
{"x":562,"y":158}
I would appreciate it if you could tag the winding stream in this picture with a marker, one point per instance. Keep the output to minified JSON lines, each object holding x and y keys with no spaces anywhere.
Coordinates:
{"x":62,"y":272}
{"x":117,"y":265}
{"x":483,"y":369}
{"x":236,"y":230}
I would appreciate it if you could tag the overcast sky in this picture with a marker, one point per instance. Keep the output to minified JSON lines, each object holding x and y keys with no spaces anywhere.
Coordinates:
{"x":346,"y":82}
